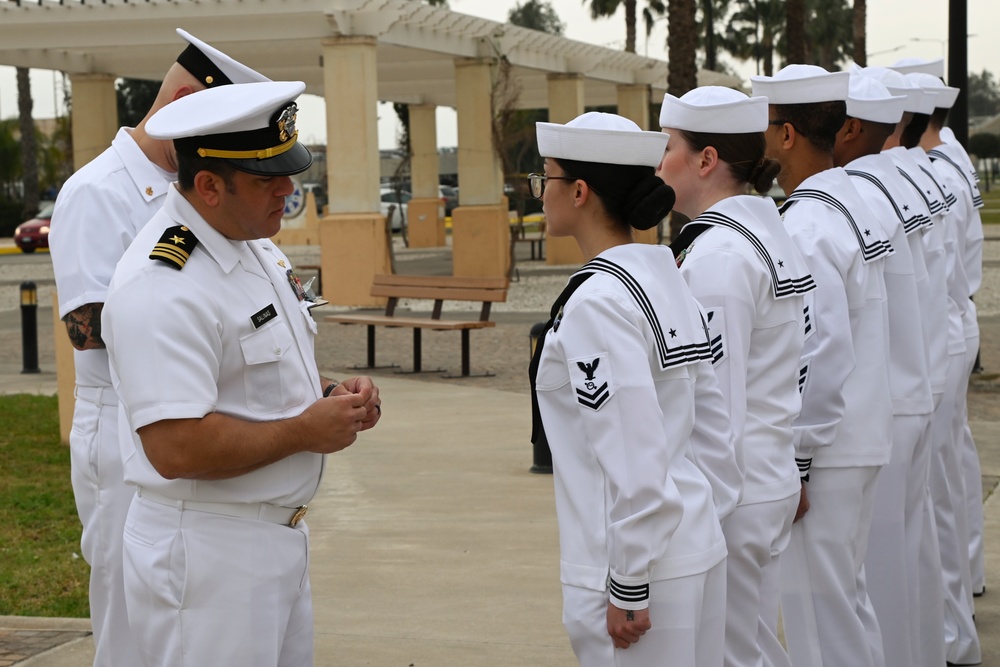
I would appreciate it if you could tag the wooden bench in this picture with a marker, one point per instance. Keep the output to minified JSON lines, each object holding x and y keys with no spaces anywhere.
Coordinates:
{"x":438,"y":289}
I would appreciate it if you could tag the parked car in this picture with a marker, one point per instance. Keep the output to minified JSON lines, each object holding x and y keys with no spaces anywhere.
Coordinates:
{"x":34,"y":233}
{"x":450,"y":195}
{"x":388,"y":197}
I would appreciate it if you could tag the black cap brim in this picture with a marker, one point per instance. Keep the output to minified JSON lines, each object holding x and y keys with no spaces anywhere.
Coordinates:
{"x":293,"y":161}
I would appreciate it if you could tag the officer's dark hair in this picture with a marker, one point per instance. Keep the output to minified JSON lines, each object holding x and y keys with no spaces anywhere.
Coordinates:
{"x":939,"y":117}
{"x":743,"y":155}
{"x":915,"y":130}
{"x":632,"y":195}
{"x":189,"y":163}
{"x":818,"y":122}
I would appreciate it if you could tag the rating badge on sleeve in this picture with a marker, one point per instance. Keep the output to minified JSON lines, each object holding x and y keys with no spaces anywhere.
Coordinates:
{"x":592,"y":380}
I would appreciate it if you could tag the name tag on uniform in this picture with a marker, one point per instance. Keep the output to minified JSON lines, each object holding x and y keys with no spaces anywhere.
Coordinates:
{"x":263,"y":316}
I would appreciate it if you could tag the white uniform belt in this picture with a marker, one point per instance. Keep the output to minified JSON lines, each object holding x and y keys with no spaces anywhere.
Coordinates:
{"x":286,"y":516}
{"x":97,"y":395}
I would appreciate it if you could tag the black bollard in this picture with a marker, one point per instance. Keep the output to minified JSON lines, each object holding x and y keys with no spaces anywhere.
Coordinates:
{"x":542,"y":456}
{"x":29,"y":327}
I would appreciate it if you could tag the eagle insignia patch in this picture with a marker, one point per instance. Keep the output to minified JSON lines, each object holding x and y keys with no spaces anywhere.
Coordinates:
{"x":591,"y":378}
{"x":175,"y":247}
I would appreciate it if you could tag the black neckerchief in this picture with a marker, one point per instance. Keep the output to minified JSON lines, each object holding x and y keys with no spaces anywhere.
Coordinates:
{"x":691,"y":231}
{"x":537,"y":428}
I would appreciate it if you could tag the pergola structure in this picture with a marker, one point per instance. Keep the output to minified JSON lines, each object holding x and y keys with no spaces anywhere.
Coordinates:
{"x":353,"y":53}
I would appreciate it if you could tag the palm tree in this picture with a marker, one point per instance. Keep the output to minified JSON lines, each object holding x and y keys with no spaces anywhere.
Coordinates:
{"x":753,"y":32}
{"x":860,"y":34}
{"x":829,"y":33}
{"x":682,"y":72}
{"x":603,"y":8}
{"x":795,"y":30}
{"x":29,"y":144}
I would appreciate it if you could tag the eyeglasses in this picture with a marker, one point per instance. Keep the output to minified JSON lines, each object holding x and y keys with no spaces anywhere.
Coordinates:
{"x":536,"y":183}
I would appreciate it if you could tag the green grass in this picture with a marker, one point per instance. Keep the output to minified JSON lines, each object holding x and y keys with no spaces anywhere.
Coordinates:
{"x":41,"y":573}
{"x":990,"y":212}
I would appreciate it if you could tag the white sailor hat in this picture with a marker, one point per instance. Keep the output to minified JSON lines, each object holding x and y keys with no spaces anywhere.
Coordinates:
{"x":869,"y":99}
{"x":933,"y":67}
{"x":604,"y":138}
{"x":801,"y":84}
{"x":714,"y":109}
{"x":249,"y":125}
{"x":898,"y":84}
{"x":946,"y":95}
{"x":211,"y":66}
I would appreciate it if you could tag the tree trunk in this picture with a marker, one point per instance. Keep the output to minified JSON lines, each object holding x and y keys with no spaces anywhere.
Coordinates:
{"x":860,"y":35}
{"x":29,"y":143}
{"x":682,"y":71}
{"x":630,"y":6}
{"x":795,"y":31}
{"x":709,"y":10}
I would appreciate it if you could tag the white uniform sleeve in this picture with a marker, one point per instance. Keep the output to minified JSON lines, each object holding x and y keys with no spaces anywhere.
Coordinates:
{"x":90,"y":231}
{"x":828,"y":352}
{"x":166,"y":353}
{"x":627,"y":435}
{"x":974,"y":252}
{"x":712,"y":442}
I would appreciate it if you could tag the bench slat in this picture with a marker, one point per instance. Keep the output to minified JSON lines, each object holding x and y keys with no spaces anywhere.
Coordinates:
{"x":434,"y":294}
{"x":483,"y":282}
{"x":410,"y":322}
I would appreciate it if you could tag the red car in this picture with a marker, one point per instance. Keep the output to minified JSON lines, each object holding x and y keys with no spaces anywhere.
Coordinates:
{"x":34,"y":233}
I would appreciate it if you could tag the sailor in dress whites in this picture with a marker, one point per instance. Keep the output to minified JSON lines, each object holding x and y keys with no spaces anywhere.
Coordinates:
{"x":843,"y":434}
{"x":932,"y":610}
{"x":954,"y":164}
{"x":891,"y":566}
{"x":98,"y":212}
{"x":749,"y":277}
{"x":224,"y":416}
{"x":625,"y":394}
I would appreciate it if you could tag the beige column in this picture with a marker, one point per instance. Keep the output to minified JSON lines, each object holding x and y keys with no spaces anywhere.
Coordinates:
{"x":426,"y":210}
{"x":633,"y":103}
{"x":95,"y":115}
{"x":480,"y":225}
{"x":565,"y":104}
{"x":354,"y":245}
{"x":95,"y":123}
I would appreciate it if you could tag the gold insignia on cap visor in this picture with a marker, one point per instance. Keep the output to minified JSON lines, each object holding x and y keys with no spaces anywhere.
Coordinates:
{"x":286,"y":128}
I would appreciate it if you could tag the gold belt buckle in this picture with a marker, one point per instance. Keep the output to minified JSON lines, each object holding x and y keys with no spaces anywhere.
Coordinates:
{"x":300,"y":514}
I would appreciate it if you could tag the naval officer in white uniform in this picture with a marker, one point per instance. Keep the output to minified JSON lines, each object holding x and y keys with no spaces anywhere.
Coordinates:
{"x":625,"y":393}
{"x":225,"y":418}
{"x":98,"y":212}
{"x":843,"y":434}
{"x":749,"y":277}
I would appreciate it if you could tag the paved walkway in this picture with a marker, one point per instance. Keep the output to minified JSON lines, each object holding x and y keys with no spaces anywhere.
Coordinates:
{"x":434,"y":546}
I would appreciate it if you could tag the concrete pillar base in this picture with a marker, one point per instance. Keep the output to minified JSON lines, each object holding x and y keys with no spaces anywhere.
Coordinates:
{"x":480,"y":237}
{"x":354,"y":248}
{"x":426,"y":223}
{"x":562,"y":250}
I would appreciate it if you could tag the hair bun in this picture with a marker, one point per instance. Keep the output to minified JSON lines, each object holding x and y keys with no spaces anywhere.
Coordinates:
{"x":762,"y":176}
{"x":649,"y":201}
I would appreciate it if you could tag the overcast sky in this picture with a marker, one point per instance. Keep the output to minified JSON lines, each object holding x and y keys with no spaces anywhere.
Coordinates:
{"x":896,"y":29}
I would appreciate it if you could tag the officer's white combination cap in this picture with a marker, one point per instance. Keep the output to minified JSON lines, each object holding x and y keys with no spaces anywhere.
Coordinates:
{"x":946,"y":95}
{"x":603,"y":138}
{"x":933,"y":67}
{"x":249,"y":125}
{"x":870,"y":100}
{"x":211,"y":66}
{"x":802,"y":84}
{"x":714,"y":109}
{"x":917,"y":101}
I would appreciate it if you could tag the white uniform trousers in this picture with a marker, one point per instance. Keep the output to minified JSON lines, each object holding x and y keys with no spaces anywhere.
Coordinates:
{"x":756,"y":535}
{"x":947,"y":484}
{"x":828,"y":620}
{"x":887,"y":579}
{"x":206,"y":589}
{"x":102,"y":501}
{"x":972,"y":473}
{"x":924,"y":560}
{"x":688,"y":618}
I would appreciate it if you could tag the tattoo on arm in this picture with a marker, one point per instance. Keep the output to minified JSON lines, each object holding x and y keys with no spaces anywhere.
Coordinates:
{"x":84,"y":327}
